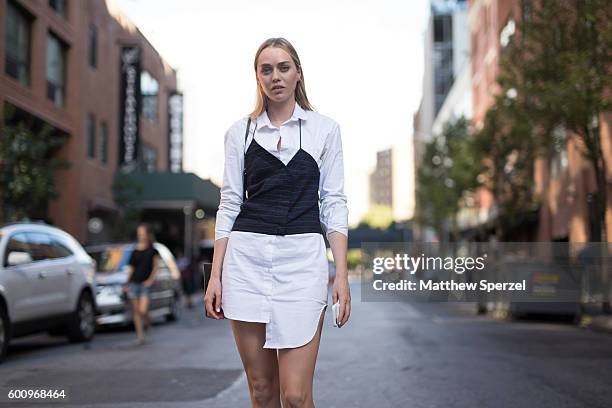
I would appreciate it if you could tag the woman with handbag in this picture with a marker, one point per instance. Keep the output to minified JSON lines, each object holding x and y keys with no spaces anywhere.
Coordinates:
{"x":270,"y":270}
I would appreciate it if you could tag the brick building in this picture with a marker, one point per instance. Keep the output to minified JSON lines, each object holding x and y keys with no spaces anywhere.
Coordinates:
{"x":62,"y":62}
{"x":564,"y":180}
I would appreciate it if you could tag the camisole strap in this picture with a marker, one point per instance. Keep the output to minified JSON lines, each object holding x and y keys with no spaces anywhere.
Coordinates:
{"x":246,"y":136}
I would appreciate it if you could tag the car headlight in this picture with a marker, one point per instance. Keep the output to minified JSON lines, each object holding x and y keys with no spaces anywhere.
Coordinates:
{"x":109,"y":290}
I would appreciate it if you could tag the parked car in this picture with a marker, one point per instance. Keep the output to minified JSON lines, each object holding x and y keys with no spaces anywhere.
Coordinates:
{"x":46,"y":283}
{"x":114,"y":308}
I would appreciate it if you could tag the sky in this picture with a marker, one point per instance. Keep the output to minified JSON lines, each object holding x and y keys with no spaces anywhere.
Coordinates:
{"x":362,"y":62}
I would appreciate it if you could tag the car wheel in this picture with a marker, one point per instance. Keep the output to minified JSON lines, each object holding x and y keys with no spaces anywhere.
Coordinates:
{"x":83,"y":321}
{"x":4,"y":332}
{"x":175,"y":309}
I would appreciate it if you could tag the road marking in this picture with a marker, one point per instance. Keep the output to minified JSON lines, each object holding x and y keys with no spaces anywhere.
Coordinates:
{"x":236,"y":388}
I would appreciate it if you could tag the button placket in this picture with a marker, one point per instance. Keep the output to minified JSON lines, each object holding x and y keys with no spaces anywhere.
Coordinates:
{"x":274,"y":280}
{"x":268,"y":279}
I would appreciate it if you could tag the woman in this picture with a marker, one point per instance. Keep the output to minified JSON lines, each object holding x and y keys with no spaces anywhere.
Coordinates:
{"x":143,"y":267}
{"x":270,"y":272}
{"x":185,"y":266}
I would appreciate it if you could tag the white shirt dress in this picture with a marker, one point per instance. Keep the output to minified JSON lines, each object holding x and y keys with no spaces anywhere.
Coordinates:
{"x":281,"y":280}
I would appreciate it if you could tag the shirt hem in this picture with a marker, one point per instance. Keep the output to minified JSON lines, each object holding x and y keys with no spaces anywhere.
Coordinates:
{"x":301,"y":343}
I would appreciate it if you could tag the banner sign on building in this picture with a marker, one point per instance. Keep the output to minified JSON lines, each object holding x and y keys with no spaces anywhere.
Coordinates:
{"x":175,"y":132}
{"x":130,"y":107}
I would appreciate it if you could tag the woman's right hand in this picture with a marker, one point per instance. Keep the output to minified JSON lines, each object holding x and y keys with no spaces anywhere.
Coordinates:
{"x":212,"y":299}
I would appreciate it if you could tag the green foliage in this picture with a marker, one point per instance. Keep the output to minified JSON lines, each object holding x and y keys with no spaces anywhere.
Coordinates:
{"x":554,"y":73}
{"x":378,"y":216}
{"x":27,"y":169}
{"x":354,"y":257}
{"x":126,"y":193}
{"x":508,"y":149}
{"x":557,"y":68}
{"x":449,"y":170}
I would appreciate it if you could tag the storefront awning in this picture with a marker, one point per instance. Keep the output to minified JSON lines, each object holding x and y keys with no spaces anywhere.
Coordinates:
{"x":170,"y":190}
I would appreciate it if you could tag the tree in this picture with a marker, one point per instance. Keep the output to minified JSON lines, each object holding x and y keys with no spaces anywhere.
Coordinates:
{"x":448,"y":172}
{"x":378,"y":216}
{"x":560,"y":67}
{"x":507,"y":148}
{"x":27,"y":170}
{"x":126,"y":194}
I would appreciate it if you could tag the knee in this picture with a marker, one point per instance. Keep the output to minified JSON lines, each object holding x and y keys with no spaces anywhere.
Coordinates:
{"x":295,"y":398}
{"x":262,"y":391}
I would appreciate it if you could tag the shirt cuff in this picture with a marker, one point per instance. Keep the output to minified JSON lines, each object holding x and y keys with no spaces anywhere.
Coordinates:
{"x":343,"y":231}
{"x":221,"y":234}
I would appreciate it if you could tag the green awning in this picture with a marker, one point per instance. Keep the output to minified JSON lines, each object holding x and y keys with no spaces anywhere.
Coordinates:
{"x":171,"y":189}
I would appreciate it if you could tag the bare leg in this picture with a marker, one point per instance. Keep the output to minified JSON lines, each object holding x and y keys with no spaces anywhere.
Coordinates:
{"x":296,"y":370}
{"x":260,"y":364}
{"x":137,"y":319}
{"x":144,"y":311}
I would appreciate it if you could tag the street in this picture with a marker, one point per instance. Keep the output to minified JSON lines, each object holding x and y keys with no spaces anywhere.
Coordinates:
{"x":390,"y":354}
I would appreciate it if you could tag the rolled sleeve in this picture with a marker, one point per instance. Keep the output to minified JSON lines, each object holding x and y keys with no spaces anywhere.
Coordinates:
{"x":333,"y":210}
{"x":231,"y":190}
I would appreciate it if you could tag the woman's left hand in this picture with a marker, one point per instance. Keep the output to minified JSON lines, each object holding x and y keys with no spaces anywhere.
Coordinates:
{"x":147,"y":283}
{"x":341,"y":292}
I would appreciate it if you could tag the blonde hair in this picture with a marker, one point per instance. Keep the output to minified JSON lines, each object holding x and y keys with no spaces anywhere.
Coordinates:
{"x":261,"y":102}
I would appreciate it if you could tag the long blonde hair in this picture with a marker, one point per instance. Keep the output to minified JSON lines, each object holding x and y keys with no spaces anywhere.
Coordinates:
{"x":261,"y":102}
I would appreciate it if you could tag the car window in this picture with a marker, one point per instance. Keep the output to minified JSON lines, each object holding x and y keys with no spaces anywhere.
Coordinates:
{"x":17,"y":243}
{"x":41,"y":246}
{"x":111,"y":259}
{"x":60,"y":249}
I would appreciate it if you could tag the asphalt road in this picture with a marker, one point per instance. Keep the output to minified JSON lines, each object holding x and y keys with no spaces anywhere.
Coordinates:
{"x":391,"y":354}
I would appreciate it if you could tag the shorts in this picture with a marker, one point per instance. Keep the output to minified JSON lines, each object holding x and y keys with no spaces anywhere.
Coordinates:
{"x":136,"y":290}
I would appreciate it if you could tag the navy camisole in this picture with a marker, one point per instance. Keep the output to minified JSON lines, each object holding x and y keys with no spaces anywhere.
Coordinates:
{"x":279,"y":199}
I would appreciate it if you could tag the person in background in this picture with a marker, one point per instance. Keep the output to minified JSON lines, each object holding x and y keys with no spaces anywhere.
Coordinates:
{"x":186,"y":268}
{"x":143,"y":267}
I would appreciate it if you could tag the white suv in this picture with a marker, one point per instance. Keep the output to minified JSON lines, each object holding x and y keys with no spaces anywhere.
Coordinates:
{"x":46,"y":283}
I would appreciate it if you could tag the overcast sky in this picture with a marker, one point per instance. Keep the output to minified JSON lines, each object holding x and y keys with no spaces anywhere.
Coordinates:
{"x":362,"y":62}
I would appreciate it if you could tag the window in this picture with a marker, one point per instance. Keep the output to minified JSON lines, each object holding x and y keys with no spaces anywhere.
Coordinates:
{"x":527,"y":10}
{"x":104,"y":143}
{"x":559,"y":161}
{"x":60,"y":250}
{"x":149,"y":159}
{"x":149,"y":88}
{"x":92,"y":51}
{"x":17,"y":44}
{"x":91,"y":135}
{"x":59,"y":6}
{"x":443,"y":28}
{"x":41,"y":247}
{"x":506,"y":34}
{"x":17,"y":243}
{"x":56,"y":70}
